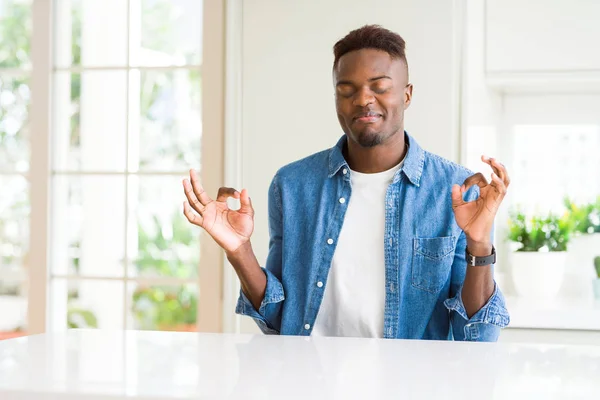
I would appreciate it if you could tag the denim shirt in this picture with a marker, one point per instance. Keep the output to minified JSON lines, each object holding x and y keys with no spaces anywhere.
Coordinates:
{"x":425,"y":262}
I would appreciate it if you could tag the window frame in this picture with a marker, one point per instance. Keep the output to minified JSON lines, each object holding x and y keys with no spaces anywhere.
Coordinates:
{"x":40,"y":175}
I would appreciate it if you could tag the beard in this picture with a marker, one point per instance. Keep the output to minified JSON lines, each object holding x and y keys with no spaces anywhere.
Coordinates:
{"x":370,"y":139}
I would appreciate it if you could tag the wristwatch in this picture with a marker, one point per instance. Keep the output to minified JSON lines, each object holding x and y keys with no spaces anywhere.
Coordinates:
{"x":481,"y":261}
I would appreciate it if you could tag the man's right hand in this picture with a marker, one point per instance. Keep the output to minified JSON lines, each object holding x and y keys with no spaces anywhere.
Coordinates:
{"x":229,"y":228}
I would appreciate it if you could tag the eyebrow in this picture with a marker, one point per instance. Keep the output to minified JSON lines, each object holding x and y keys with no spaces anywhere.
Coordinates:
{"x":376,"y":78}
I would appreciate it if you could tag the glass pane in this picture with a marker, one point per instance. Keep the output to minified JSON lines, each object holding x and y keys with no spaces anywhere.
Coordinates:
{"x":90,"y":121}
{"x":14,"y":224}
{"x":13,"y":308}
{"x":88,"y":223}
{"x":87,"y":304}
{"x":161,"y":242}
{"x":90,"y":33}
{"x":15,"y":33}
{"x":165,"y":308}
{"x":166,"y":32}
{"x":14,"y":125}
{"x":165,"y":120}
{"x":545,"y":171}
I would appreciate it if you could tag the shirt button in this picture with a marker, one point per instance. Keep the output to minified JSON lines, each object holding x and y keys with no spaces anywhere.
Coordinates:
{"x":344,"y":171}
{"x":342,"y":200}
{"x":329,"y":241}
{"x":307,"y":326}
{"x":319,"y":284}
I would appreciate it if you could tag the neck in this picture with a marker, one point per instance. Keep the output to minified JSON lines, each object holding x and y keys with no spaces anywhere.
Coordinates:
{"x":376,"y":159}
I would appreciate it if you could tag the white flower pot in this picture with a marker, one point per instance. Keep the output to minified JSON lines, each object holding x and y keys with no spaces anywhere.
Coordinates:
{"x":538,"y":275}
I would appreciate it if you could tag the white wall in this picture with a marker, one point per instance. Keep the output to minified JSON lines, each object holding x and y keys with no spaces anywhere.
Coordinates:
{"x":542,"y":35}
{"x":481,"y":105}
{"x":288,"y":94}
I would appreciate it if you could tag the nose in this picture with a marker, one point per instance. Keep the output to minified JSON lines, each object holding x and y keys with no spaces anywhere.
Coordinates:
{"x":363,"y":98}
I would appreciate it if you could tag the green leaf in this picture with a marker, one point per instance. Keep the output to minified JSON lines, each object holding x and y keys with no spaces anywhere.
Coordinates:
{"x":540,"y":232}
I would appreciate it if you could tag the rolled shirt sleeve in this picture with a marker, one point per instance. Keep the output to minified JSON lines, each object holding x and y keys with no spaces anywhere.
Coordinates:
{"x":485,"y":324}
{"x":268,"y":316}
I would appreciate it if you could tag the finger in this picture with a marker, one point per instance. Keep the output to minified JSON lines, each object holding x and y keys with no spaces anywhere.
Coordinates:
{"x":226,"y":192}
{"x":502,"y":172}
{"x":191,"y":197}
{"x":198,"y":189}
{"x":246,"y":203}
{"x":191,"y":215}
{"x":498,"y":184}
{"x":457,"y":199}
{"x":477,"y":179}
{"x":492,"y":163}
{"x":498,"y":167}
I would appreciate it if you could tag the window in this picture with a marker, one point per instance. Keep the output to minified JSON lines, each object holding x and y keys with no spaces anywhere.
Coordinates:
{"x":126,"y":129}
{"x":552,"y":143}
{"x":554,"y":162}
{"x":124,"y":101}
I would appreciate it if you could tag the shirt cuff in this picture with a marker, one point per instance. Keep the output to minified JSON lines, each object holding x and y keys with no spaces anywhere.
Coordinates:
{"x":273,"y":294}
{"x":494,"y":312}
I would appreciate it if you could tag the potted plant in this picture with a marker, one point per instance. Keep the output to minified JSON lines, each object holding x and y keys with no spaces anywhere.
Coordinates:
{"x":538,"y":262}
{"x":596,"y":282}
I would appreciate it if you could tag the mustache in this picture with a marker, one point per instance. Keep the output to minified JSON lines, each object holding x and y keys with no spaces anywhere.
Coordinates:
{"x":368,"y":113}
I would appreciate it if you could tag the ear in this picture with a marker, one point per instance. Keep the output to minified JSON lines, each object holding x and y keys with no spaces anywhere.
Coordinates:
{"x":407,"y":95}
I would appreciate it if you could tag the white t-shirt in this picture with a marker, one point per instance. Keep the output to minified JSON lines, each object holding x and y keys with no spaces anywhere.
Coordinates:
{"x":354,"y":299}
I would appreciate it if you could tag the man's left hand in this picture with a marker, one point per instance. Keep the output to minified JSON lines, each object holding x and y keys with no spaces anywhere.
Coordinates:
{"x":476,"y":218}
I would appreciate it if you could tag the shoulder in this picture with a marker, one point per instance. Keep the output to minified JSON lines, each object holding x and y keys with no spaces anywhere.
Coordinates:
{"x":310,"y":167}
{"x":300,"y":178}
{"x":439,"y":173}
{"x":444,"y":169}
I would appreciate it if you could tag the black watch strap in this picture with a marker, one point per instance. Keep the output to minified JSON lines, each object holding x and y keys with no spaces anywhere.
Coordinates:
{"x":481,"y":261}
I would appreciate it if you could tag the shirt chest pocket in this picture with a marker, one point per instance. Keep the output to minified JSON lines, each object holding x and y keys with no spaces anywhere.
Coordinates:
{"x":432,"y":262}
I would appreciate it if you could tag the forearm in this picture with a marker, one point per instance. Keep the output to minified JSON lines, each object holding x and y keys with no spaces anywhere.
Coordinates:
{"x":478,"y":286}
{"x":252,"y":278}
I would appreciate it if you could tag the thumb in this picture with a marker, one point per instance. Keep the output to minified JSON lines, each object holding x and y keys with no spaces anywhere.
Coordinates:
{"x":245,"y":203}
{"x":457,"y":199}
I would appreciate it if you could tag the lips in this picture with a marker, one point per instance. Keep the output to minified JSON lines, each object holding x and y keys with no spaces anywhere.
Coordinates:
{"x":367,"y":117}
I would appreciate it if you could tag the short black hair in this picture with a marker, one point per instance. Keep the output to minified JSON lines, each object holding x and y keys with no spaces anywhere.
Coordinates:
{"x":370,"y":37}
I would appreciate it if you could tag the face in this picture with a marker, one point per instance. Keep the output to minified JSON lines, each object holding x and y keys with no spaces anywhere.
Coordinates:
{"x":371,"y":94}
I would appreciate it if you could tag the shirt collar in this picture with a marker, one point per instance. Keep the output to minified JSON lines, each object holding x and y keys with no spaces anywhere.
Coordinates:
{"x":412,"y":167}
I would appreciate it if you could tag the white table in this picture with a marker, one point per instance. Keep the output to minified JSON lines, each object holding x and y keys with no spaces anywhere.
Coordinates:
{"x":93,"y":365}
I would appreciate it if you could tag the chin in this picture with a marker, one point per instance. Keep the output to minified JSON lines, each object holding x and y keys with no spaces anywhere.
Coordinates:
{"x":369,"y":139}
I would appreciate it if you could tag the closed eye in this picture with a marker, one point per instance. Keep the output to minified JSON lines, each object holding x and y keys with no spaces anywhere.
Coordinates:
{"x":345,"y":91}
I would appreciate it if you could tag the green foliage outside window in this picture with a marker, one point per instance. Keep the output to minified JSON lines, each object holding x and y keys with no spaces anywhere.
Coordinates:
{"x":165,"y":307}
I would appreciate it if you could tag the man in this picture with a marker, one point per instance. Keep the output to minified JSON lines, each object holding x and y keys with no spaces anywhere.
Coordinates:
{"x":370,"y":238}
